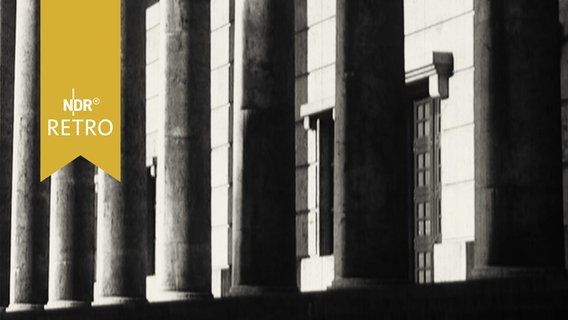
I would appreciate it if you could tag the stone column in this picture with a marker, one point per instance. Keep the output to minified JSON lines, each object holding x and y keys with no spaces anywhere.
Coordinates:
{"x":7,"y":41}
{"x":30,"y":198}
{"x":263,"y":167}
{"x":184,"y":243}
{"x":371,"y":222}
{"x":121,"y":206}
{"x":518,"y":186}
{"x":71,"y":242}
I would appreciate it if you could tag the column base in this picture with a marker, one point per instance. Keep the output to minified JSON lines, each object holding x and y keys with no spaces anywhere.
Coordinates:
{"x":514,"y":272}
{"x":182,"y":296}
{"x":64,"y":304}
{"x":104,"y":301}
{"x":15,"y":307}
{"x":244,"y":290}
{"x":348,"y":283}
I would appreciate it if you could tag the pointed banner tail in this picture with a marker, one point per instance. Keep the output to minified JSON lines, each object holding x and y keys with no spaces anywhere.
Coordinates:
{"x":80,"y":84}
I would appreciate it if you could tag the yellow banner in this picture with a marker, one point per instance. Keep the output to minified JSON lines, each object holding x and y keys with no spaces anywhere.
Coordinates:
{"x":80,"y":84}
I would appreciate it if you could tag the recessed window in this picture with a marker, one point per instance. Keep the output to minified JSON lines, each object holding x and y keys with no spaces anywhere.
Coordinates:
{"x":322,"y":125}
{"x":325,"y":133}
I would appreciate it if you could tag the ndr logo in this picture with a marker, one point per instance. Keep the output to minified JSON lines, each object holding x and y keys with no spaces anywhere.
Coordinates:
{"x":79,"y":127}
{"x":76,"y":105}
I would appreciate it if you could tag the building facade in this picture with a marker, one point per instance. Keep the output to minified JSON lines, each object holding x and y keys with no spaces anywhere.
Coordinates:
{"x":415,"y":141}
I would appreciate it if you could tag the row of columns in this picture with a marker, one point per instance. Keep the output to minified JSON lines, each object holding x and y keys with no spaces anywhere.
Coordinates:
{"x":518,"y":191}
{"x":69,"y":225}
{"x":121,"y":206}
{"x":518,"y":186}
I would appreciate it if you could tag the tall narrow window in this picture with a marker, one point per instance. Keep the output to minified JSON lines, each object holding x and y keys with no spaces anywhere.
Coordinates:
{"x":325,"y":134}
{"x":427,"y":182}
{"x":151,"y":218}
{"x":320,"y":184}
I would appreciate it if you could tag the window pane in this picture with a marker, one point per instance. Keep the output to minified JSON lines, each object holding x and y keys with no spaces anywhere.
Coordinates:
{"x":420,"y":228}
{"x":428,"y":277}
{"x":421,"y":260}
{"x":427,"y":209}
{"x":428,"y":158}
{"x":427,"y":128}
{"x":420,"y":112}
{"x":420,"y":129}
{"x":428,"y":230}
{"x":428,"y":258}
{"x":421,"y":210}
{"x":420,"y":179}
{"x":421,"y":276}
{"x":427,"y":177}
{"x":427,"y":109}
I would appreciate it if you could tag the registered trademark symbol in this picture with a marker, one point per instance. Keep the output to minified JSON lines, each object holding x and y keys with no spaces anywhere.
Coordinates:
{"x":96,"y":101}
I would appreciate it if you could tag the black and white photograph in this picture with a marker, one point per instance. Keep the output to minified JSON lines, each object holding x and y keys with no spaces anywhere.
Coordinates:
{"x":295,"y":159}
